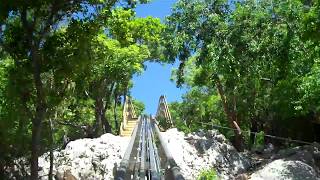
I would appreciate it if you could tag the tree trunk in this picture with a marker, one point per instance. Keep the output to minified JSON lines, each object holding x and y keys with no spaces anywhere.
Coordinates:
{"x":35,"y":145}
{"x":2,"y":170}
{"x":39,"y":114}
{"x":239,"y":141}
{"x":253,"y":128}
{"x":40,"y":103}
{"x":50,"y":176}
{"x":107,"y":105}
{"x":106,"y":124}
{"x":101,"y":121}
{"x":98,"y":116}
{"x":115,"y":113}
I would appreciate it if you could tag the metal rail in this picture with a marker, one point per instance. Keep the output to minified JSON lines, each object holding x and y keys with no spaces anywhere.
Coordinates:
{"x":147,"y":155}
{"x":172,"y":170}
{"x":122,"y":171}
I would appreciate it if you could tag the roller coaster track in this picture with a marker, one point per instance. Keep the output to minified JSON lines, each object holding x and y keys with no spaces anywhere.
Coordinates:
{"x":147,"y":155}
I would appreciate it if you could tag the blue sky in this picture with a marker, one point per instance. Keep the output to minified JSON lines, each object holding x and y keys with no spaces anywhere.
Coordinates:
{"x":155,"y":81}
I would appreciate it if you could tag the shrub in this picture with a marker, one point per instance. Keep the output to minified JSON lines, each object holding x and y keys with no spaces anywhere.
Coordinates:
{"x":208,"y":174}
{"x":259,"y":140}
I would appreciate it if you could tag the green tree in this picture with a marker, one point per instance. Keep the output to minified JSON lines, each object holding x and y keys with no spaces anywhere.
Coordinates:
{"x":251,"y":54}
{"x":117,"y":56}
{"x":49,"y":44}
{"x":139,"y":107}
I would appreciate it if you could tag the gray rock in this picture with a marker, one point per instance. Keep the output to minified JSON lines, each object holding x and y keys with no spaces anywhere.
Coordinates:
{"x":282,"y":169}
{"x":308,"y":154}
{"x":204,"y":150}
{"x":87,"y":158}
{"x":241,"y":177}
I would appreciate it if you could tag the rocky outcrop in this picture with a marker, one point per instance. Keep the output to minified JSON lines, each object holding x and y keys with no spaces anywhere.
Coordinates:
{"x":86,"y":158}
{"x":300,"y":162}
{"x":308,"y":154}
{"x":198,"y":151}
{"x":282,"y":169}
{"x":95,"y":158}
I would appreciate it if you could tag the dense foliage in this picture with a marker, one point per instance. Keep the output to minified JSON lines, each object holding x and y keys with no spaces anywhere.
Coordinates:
{"x":255,"y":63}
{"x":65,"y":68}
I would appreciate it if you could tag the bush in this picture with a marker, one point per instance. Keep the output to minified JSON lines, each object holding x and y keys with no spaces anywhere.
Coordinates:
{"x":163,"y":124}
{"x":259,"y":140}
{"x":209,"y":174}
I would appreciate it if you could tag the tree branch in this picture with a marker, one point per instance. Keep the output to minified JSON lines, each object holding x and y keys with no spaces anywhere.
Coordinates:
{"x":83,"y":127}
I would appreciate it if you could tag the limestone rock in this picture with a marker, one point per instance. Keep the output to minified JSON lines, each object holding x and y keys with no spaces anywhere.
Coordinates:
{"x":204,"y":150}
{"x":87,"y":158}
{"x":285,"y":170}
